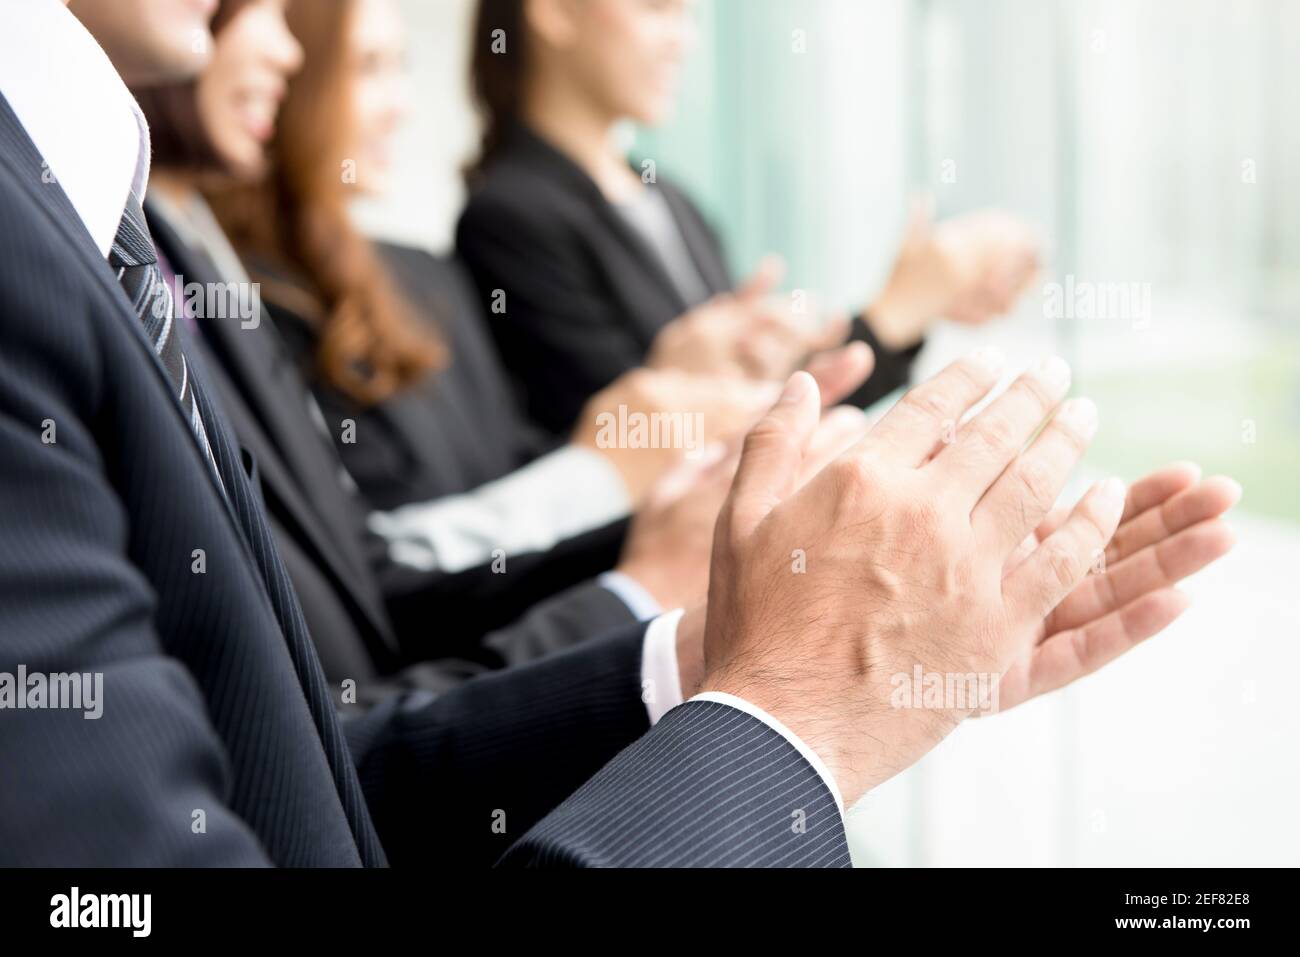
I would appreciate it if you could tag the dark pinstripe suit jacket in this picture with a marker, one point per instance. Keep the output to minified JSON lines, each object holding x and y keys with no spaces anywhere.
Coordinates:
{"x":219,"y":742}
{"x":384,"y":626}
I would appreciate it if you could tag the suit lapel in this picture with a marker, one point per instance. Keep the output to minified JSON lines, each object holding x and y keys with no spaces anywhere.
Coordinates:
{"x":20,"y":156}
{"x":537,"y":154}
{"x":279,"y":420}
{"x":293,"y":627}
{"x":27,"y":165}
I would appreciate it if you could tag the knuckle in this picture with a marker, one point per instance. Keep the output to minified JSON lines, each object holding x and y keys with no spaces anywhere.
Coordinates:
{"x":1064,"y":567}
{"x":1037,"y":392}
{"x":929,"y":403}
{"x":855,"y":479}
{"x":1072,"y":437}
{"x":973,"y":376}
{"x":1094,"y":527}
{"x":768,"y":431}
{"x":995,"y":432}
{"x":1037,"y":483}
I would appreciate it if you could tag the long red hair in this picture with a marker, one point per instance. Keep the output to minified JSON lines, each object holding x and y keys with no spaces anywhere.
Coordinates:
{"x":370,"y":345}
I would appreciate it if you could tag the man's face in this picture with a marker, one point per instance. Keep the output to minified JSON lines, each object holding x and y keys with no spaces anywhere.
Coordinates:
{"x":150,"y":41}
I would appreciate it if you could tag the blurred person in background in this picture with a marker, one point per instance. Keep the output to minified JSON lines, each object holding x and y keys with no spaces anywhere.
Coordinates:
{"x":378,"y":614}
{"x":393,"y":338}
{"x":360,"y":32}
{"x":218,"y":699}
{"x":135,"y":549}
{"x":592,"y":264}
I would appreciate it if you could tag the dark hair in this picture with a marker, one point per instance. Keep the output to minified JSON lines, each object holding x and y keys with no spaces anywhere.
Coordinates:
{"x":176,"y":133}
{"x":369,"y":344}
{"x":497,"y":64}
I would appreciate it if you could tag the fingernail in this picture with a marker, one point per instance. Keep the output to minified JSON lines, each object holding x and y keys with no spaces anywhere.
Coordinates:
{"x":1055,"y":372}
{"x":1080,"y":415}
{"x":1110,"y":495}
{"x":795,"y":389}
{"x":990,"y":358}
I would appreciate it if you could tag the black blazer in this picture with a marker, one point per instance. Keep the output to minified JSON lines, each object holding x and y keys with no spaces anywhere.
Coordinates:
{"x":584,"y":295}
{"x":381,"y":625}
{"x":459,"y":429}
{"x":218,"y":741}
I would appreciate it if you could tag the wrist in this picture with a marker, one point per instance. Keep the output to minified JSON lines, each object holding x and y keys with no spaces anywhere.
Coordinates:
{"x":805,"y":714}
{"x":637,"y":474}
{"x":808,"y":733}
{"x":655,"y":584}
{"x":690,"y":651}
{"x":897,"y":323}
{"x":636,"y":483}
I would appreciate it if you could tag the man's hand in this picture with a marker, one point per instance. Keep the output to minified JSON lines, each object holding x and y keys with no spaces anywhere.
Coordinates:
{"x":671,"y":539}
{"x":970,"y":269}
{"x":749,"y":333}
{"x":649,"y":420}
{"x":893,"y":557}
{"x":1171,"y":529}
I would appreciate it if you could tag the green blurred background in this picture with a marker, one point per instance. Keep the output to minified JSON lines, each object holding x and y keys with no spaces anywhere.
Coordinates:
{"x":1151,"y":142}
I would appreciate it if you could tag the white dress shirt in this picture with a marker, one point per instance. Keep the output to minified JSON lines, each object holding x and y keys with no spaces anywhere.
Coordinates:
{"x":76,"y":109}
{"x":662,"y":691}
{"x":561,"y":495}
{"x":87,"y":126}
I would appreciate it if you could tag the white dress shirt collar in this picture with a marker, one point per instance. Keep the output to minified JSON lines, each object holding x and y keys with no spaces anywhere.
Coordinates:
{"x":76,"y":109}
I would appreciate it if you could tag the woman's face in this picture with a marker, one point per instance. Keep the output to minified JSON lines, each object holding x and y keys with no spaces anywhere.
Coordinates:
{"x":628,"y":54}
{"x":240,"y":92}
{"x":376,"y":70}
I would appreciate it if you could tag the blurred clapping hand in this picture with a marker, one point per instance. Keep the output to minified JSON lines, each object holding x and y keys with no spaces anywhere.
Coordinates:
{"x":725,"y":407}
{"x":751,"y":333}
{"x":670,"y":542}
{"x":970,"y":269}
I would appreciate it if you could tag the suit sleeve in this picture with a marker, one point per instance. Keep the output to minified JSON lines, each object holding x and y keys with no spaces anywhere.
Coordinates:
{"x":893,"y":367}
{"x":709,"y":786}
{"x":440,"y":613}
{"x":562,"y":356}
{"x":456,"y":779}
{"x":583,"y":613}
{"x":118,"y":789}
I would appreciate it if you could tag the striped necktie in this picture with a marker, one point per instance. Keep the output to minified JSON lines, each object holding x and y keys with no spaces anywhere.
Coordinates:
{"x":135,"y":260}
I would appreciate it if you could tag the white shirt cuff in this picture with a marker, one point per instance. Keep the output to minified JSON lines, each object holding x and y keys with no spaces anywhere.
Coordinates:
{"x":661,"y":682}
{"x":632,"y":593}
{"x":566,"y":493}
{"x":809,"y":755}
